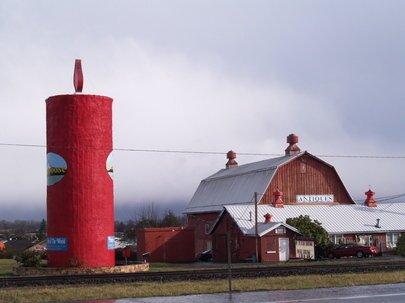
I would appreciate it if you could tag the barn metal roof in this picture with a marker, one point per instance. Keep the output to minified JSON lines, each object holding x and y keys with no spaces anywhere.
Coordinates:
{"x":336,"y":219}
{"x":235,"y":185}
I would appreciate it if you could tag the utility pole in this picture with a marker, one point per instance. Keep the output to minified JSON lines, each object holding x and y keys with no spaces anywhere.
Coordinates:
{"x":228,"y":246}
{"x":256,"y":230}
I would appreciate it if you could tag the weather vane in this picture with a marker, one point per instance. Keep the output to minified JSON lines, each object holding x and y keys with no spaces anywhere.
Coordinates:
{"x":78,"y":76}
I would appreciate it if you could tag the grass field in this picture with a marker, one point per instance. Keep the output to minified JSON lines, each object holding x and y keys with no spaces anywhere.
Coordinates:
{"x":6,"y":266}
{"x":147,"y":289}
{"x":155,"y":267}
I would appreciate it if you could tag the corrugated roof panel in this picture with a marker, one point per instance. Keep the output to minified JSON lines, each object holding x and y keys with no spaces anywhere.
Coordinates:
{"x":235,"y":185}
{"x":252,"y":167}
{"x":336,"y":219}
{"x":211,"y":195}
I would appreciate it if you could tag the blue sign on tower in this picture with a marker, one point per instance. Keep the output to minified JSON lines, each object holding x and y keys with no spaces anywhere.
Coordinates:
{"x":57,"y":244}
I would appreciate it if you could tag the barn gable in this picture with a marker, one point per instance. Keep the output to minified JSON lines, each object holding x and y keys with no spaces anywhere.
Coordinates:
{"x":237,"y":185}
{"x":307,"y":175}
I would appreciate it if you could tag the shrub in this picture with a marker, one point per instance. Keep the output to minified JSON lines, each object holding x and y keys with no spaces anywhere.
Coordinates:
{"x":400,"y":250}
{"x":30,"y":258}
{"x":312,"y":229}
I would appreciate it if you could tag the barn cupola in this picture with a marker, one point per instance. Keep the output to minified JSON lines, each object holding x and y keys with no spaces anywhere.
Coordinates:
{"x":293,"y":148}
{"x":278,"y":199}
{"x":267,"y":218}
{"x":231,"y":156}
{"x":370,"y":201}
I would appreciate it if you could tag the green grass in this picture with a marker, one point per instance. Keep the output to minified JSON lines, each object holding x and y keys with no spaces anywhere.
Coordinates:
{"x":148,"y":289}
{"x":155,"y":267}
{"x":6,"y":266}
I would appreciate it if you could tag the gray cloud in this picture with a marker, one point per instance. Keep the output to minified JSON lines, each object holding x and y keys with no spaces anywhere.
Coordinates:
{"x":207,"y":76}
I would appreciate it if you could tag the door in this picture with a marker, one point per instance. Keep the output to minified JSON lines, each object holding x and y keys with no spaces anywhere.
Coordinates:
{"x":283,"y":249}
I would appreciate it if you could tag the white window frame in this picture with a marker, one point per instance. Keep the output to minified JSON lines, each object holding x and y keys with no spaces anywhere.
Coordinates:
{"x":280,"y":230}
{"x":207,"y":228}
{"x":336,"y":238}
{"x":392,"y":239}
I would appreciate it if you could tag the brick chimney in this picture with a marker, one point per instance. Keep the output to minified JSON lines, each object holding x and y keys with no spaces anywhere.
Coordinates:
{"x":267,"y":218}
{"x":370,"y":202}
{"x":278,"y":199}
{"x":231,"y":156}
{"x":293,"y":148}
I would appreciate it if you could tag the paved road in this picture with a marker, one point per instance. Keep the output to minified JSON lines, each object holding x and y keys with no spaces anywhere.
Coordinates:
{"x":393,"y":293}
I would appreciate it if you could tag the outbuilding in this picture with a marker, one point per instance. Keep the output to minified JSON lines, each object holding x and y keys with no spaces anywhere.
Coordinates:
{"x":165,"y":244}
{"x":275,"y":241}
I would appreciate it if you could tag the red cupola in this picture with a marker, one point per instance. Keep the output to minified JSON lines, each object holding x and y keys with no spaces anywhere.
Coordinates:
{"x":370,"y":202}
{"x":293,"y":148}
{"x":267,"y":218}
{"x":278,"y":199}
{"x":231,"y":156}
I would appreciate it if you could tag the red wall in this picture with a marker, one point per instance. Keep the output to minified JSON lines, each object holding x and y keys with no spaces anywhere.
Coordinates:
{"x":244,"y":247}
{"x":80,"y":206}
{"x":270,"y":242}
{"x":197,"y":222}
{"x":306,"y":176}
{"x":169,"y":244}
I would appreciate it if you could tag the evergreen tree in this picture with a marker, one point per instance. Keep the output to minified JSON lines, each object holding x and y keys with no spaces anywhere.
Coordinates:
{"x":309,"y":228}
{"x":41,"y":234}
{"x":401,"y":245}
{"x":170,"y":220}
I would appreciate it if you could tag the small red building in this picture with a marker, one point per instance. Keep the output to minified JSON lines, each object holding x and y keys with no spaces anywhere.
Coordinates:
{"x":276,"y":240}
{"x":167,"y":244}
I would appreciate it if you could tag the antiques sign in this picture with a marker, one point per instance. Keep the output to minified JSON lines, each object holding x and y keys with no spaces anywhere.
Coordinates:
{"x":314,"y":198}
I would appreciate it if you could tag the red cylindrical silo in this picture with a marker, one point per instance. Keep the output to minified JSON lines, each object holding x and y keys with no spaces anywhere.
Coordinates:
{"x":80,"y":207}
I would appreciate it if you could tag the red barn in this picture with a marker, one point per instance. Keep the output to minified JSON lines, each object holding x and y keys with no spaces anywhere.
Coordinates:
{"x":302,"y":177}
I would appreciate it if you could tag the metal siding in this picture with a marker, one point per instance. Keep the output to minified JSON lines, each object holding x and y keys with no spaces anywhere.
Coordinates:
{"x":336,"y":219}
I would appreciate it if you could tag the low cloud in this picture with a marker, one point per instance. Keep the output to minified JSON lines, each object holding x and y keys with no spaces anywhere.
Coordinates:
{"x":167,"y":100}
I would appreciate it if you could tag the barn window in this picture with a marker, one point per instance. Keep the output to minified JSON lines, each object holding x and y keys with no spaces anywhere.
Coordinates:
{"x":207,"y":228}
{"x":280,"y":230}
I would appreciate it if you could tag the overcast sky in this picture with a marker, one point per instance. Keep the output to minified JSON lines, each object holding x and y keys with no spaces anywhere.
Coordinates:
{"x":206,"y":75}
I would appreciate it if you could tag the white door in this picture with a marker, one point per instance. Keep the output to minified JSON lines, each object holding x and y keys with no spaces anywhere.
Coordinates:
{"x":283,"y":249}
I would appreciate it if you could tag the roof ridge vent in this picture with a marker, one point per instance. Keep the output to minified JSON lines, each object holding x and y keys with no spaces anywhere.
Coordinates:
{"x":293,"y":148}
{"x":370,"y":201}
{"x":231,"y":156}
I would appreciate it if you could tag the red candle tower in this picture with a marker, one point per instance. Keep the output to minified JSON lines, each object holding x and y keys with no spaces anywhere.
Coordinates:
{"x":80,"y":207}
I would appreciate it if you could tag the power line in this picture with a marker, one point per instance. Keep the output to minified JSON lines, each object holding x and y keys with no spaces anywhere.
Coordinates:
{"x":177,"y":151}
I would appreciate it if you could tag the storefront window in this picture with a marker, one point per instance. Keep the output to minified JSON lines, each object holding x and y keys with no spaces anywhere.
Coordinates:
{"x":392,"y":239}
{"x":364,"y":239}
{"x":337,"y":239}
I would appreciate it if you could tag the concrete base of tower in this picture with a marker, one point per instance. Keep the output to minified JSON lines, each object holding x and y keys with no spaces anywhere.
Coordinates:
{"x":53,"y":271}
